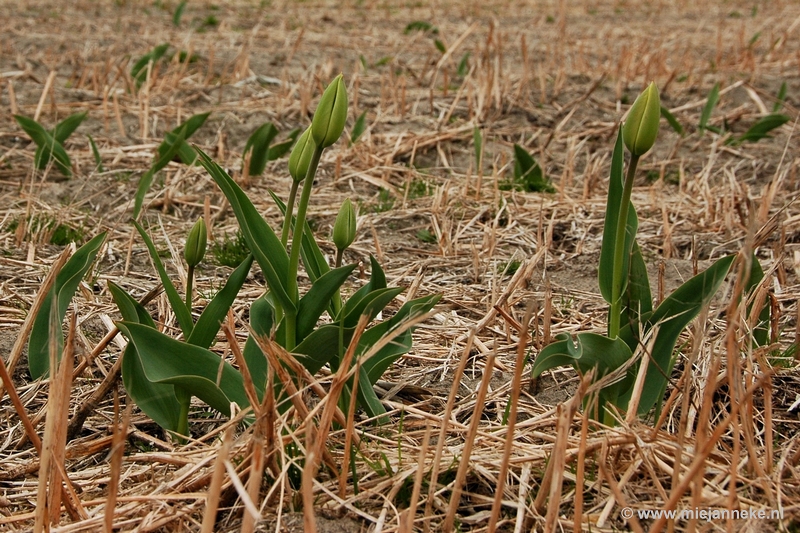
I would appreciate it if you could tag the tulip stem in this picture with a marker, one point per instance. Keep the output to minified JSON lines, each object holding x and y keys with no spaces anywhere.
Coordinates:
{"x":287,"y":221}
{"x":615,"y":315}
{"x":297,"y":239}
{"x":189,"y":288}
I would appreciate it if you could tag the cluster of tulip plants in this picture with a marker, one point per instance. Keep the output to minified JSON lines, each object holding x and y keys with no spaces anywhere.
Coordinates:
{"x":624,"y":284}
{"x":162,"y":374}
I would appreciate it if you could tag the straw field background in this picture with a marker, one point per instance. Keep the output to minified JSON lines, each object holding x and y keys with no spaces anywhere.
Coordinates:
{"x":553,"y":77}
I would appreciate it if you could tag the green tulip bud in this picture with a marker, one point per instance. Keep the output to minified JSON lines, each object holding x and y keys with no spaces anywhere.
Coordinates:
{"x":300,"y":157}
{"x":331,"y":114}
{"x":641,"y":128}
{"x":195,"y":248}
{"x":344,"y":229}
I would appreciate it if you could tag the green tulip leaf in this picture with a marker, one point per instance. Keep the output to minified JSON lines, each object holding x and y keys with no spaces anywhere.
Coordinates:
{"x":258,"y":146}
{"x":182,"y":312}
{"x":638,"y":298}
{"x":313,"y":259}
{"x":66,"y":283}
{"x":200,"y":372}
{"x":205,"y":331}
{"x":66,"y":127}
{"x":261,"y":239}
{"x":761,"y":129}
{"x":175,"y":141}
{"x":147,"y":179}
{"x":262,"y":318}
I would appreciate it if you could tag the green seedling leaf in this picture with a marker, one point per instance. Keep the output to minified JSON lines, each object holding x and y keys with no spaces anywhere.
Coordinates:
{"x":262,"y":319}
{"x":63,"y":290}
{"x":368,"y":400}
{"x":139,"y":69}
{"x":615,"y":189}
{"x":761,"y":329}
{"x":439,"y":45}
{"x":66,"y":127}
{"x":780,"y":99}
{"x":276,"y":151}
{"x":175,"y":143}
{"x":528,"y":175}
{"x":463,"y":65}
{"x":420,"y":25}
{"x":672,"y":121}
{"x":97,"y":159}
{"x":713,"y":98}
{"x":161,"y":161}
{"x":318,"y":298}
{"x":358,"y":128}
{"x":477,"y":141}
{"x":48,"y":147}
{"x":761,"y":129}
{"x":176,"y":16}
{"x":200,"y":372}
{"x":638,"y":298}
{"x":205,"y":331}
{"x":182,"y":313}
{"x":157,"y":400}
{"x":672,"y":317}
{"x":261,"y":239}
{"x":258,"y":147}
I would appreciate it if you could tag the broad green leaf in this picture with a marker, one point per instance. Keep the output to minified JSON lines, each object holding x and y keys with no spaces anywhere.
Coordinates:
{"x":276,"y":151}
{"x":359,"y":127}
{"x":615,"y":188}
{"x":182,"y":313}
{"x":672,"y":317}
{"x":66,"y":283}
{"x":761,"y":129}
{"x":316,"y":300}
{"x":713,"y":98}
{"x":528,"y":175}
{"x":129,"y":308}
{"x":321,"y":346}
{"x":672,"y":121}
{"x":175,"y":141}
{"x":376,"y":365}
{"x":157,"y":400}
{"x":205,"y":331}
{"x":261,"y":239}
{"x":367,"y":398}
{"x":258,"y":146}
{"x":201,"y":372}
{"x":638,"y":298}
{"x":262,"y":317}
{"x":48,"y":148}
{"x":66,"y":127}
{"x":377,"y":280}
{"x":161,"y":161}
{"x":371,"y":304}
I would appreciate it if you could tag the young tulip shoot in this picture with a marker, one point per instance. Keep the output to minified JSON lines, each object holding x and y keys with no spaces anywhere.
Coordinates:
{"x":344,"y":229}
{"x":331,"y":114}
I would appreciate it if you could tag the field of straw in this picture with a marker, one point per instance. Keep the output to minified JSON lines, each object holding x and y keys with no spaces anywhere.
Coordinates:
{"x":514,"y":268}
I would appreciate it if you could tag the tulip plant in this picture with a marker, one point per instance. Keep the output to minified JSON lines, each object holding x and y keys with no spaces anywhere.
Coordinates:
{"x":162,"y":373}
{"x":625,"y":286}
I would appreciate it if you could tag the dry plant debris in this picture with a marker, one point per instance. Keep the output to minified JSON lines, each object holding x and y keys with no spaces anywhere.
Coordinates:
{"x":554,"y":77}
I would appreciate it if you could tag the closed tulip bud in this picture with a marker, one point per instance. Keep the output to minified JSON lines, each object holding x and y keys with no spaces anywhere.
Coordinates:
{"x":641,"y":128}
{"x":195,"y":248}
{"x":344,"y":229}
{"x":300,"y":157}
{"x":331,"y":114}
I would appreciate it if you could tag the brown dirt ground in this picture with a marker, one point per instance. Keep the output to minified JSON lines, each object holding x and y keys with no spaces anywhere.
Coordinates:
{"x":555,"y":77}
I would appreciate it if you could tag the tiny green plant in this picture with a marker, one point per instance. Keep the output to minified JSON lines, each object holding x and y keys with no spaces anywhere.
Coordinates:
{"x":164,"y":373}
{"x":259,"y":149}
{"x":624,"y":284}
{"x":176,"y":16}
{"x":231,"y":250}
{"x":139,"y":68}
{"x":528,"y":175}
{"x":98,"y":161}
{"x":359,"y":127}
{"x":711,"y":103}
{"x":50,"y":143}
{"x":780,"y":99}
{"x":761,"y":128}
{"x":672,"y":121}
